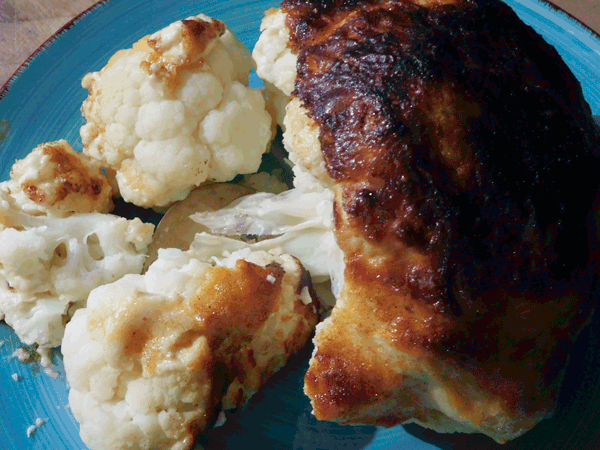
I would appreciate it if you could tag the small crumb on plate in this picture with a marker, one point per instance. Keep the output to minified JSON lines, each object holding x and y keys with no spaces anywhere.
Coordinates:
{"x":305,"y":296}
{"x":45,"y":355}
{"x":51,"y":372}
{"x":21,"y":354}
{"x":33,"y":428}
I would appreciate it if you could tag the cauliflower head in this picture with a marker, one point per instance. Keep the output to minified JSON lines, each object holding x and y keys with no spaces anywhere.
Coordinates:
{"x":56,"y":180}
{"x":149,"y":358}
{"x":175,"y":111}
{"x":49,"y":265}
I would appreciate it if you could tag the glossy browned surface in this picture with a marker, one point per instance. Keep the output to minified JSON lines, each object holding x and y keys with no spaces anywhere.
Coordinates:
{"x":226,"y":315}
{"x":65,"y":181}
{"x":462,"y":150}
{"x":75,"y":177}
{"x":231,"y":306}
{"x":160,"y":60}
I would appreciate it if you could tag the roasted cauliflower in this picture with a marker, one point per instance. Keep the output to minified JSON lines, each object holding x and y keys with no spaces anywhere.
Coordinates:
{"x":176,"y":111}
{"x":56,"y":180}
{"x":152,"y":355}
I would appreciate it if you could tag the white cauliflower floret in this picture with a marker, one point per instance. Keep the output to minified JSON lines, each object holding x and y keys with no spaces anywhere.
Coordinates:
{"x":275,"y":61}
{"x":176,"y":111}
{"x":232,"y":136}
{"x":49,"y":265}
{"x":56,"y":180}
{"x":150,"y":357}
{"x":301,"y":140}
{"x":276,"y":65}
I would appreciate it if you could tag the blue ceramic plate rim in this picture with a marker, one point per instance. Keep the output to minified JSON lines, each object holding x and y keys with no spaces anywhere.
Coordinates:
{"x":15,"y":417}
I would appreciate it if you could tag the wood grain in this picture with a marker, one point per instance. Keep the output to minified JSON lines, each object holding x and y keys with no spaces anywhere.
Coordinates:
{"x":27,"y":24}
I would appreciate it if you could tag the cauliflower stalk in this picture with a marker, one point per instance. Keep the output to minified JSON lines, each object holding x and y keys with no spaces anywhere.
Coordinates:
{"x":299,"y":220}
{"x":176,"y":111}
{"x":49,"y":265}
{"x":152,"y":355}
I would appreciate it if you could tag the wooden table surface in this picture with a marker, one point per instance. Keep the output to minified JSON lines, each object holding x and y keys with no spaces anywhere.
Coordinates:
{"x":26,"y":24}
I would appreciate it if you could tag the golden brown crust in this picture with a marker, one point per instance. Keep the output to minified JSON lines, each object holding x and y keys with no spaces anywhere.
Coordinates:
{"x":74,"y":175}
{"x":240,"y":301}
{"x":462,"y":149}
{"x":196,"y":36}
{"x":65,"y":181}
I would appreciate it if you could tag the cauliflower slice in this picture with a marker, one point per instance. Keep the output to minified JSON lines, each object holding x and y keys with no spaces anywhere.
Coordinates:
{"x":49,"y":265}
{"x":299,"y":220}
{"x":176,"y":111}
{"x":152,"y":355}
{"x":57,"y":181}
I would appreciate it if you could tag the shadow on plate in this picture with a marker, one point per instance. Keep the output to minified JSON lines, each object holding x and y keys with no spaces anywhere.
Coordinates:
{"x":279,"y":416}
{"x":574,"y":426}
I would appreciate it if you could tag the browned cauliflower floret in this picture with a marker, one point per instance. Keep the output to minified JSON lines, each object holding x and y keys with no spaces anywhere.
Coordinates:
{"x":57,"y":181}
{"x":175,"y":111}
{"x":152,"y":355}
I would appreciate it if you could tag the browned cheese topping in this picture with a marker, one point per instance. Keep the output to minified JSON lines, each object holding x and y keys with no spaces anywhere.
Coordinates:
{"x":462,"y":149}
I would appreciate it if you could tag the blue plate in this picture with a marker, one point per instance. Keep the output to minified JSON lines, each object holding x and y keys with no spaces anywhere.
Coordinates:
{"x":42,"y":102}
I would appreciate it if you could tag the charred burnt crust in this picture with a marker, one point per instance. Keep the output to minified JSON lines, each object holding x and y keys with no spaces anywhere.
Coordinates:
{"x":456,"y":130}
{"x":528,"y":175}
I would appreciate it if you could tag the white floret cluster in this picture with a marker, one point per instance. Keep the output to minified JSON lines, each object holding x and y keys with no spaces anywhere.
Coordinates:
{"x":49,"y":265}
{"x":141,"y":359}
{"x":276,"y":65}
{"x":176,"y":111}
{"x":275,"y":61}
